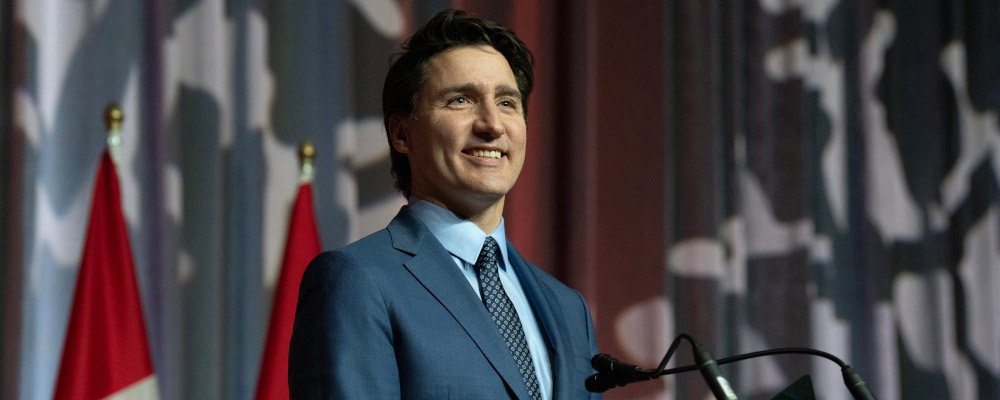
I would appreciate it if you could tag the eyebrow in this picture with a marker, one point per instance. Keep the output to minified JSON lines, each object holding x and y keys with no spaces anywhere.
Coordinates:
{"x":501,"y":89}
{"x":507,"y":90}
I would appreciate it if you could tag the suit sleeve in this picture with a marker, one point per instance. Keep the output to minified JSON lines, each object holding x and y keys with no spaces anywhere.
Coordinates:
{"x":341,"y":346}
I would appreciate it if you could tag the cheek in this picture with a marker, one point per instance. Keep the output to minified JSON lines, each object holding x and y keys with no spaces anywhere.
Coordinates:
{"x":445,"y":134}
{"x":520,"y":140}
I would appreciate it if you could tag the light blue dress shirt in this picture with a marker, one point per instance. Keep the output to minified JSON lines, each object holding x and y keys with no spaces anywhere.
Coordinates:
{"x":464,"y":240}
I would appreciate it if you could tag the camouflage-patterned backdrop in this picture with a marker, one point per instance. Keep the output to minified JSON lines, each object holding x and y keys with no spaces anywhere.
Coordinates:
{"x":759,"y":174}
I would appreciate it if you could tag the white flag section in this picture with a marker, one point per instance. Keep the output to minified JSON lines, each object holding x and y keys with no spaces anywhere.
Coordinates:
{"x":142,"y":390}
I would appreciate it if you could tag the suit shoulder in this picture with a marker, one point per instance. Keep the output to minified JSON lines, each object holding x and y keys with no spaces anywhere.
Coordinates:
{"x":372,"y":251}
{"x":375,"y":244}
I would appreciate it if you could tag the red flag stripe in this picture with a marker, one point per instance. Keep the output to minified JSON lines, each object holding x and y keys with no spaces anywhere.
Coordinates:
{"x":301,"y":246}
{"x":106,"y":349}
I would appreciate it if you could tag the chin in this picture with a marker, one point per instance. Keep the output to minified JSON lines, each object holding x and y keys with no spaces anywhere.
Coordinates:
{"x":490,"y":192}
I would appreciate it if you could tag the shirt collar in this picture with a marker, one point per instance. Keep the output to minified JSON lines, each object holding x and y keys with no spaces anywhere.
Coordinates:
{"x":461,"y":237}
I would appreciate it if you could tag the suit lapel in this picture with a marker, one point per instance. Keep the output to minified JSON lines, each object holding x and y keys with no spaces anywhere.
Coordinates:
{"x":543,"y":302}
{"x":434,"y":267}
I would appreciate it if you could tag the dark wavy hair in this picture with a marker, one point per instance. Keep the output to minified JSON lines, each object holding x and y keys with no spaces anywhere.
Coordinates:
{"x":408,"y":73}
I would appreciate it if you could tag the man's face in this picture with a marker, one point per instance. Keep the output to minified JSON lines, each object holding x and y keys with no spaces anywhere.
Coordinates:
{"x":466,"y":143}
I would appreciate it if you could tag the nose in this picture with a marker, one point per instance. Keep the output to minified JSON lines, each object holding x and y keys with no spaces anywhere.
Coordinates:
{"x":488,"y":121}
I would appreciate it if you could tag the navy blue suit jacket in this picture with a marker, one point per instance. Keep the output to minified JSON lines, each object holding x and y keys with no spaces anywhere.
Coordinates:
{"x":391,"y":317}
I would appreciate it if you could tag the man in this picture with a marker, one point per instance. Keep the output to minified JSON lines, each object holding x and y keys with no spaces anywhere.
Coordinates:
{"x":438,"y":304}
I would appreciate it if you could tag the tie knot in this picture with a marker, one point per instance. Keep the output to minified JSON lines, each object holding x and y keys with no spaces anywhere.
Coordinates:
{"x":488,"y":255}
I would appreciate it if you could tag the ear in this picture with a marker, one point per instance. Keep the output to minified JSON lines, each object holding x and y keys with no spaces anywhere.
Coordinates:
{"x":399,"y":133}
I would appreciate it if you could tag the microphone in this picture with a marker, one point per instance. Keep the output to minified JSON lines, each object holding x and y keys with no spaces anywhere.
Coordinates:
{"x":612,"y":366}
{"x":857,"y":387}
{"x":601,"y":382}
{"x":713,"y":376}
{"x":612,"y":372}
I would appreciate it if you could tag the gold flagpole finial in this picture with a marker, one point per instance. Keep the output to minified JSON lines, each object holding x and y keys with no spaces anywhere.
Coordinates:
{"x":306,"y":151}
{"x":306,"y":154}
{"x":113,"y":118}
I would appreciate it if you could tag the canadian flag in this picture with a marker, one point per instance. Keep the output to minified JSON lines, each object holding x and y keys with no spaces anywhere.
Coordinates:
{"x":301,"y":246}
{"x":106,"y":353}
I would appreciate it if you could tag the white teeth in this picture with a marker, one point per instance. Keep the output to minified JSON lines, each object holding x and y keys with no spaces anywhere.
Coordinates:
{"x":486,"y":153}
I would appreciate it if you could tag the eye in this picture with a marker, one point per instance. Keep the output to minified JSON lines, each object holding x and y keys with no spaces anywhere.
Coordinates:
{"x":509,"y":104}
{"x":459,"y":100}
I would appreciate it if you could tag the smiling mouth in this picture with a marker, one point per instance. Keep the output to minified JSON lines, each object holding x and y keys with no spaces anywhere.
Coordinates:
{"x":486,"y":153}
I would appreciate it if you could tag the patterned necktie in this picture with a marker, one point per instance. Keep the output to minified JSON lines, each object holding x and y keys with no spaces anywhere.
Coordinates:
{"x":504,"y":314}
